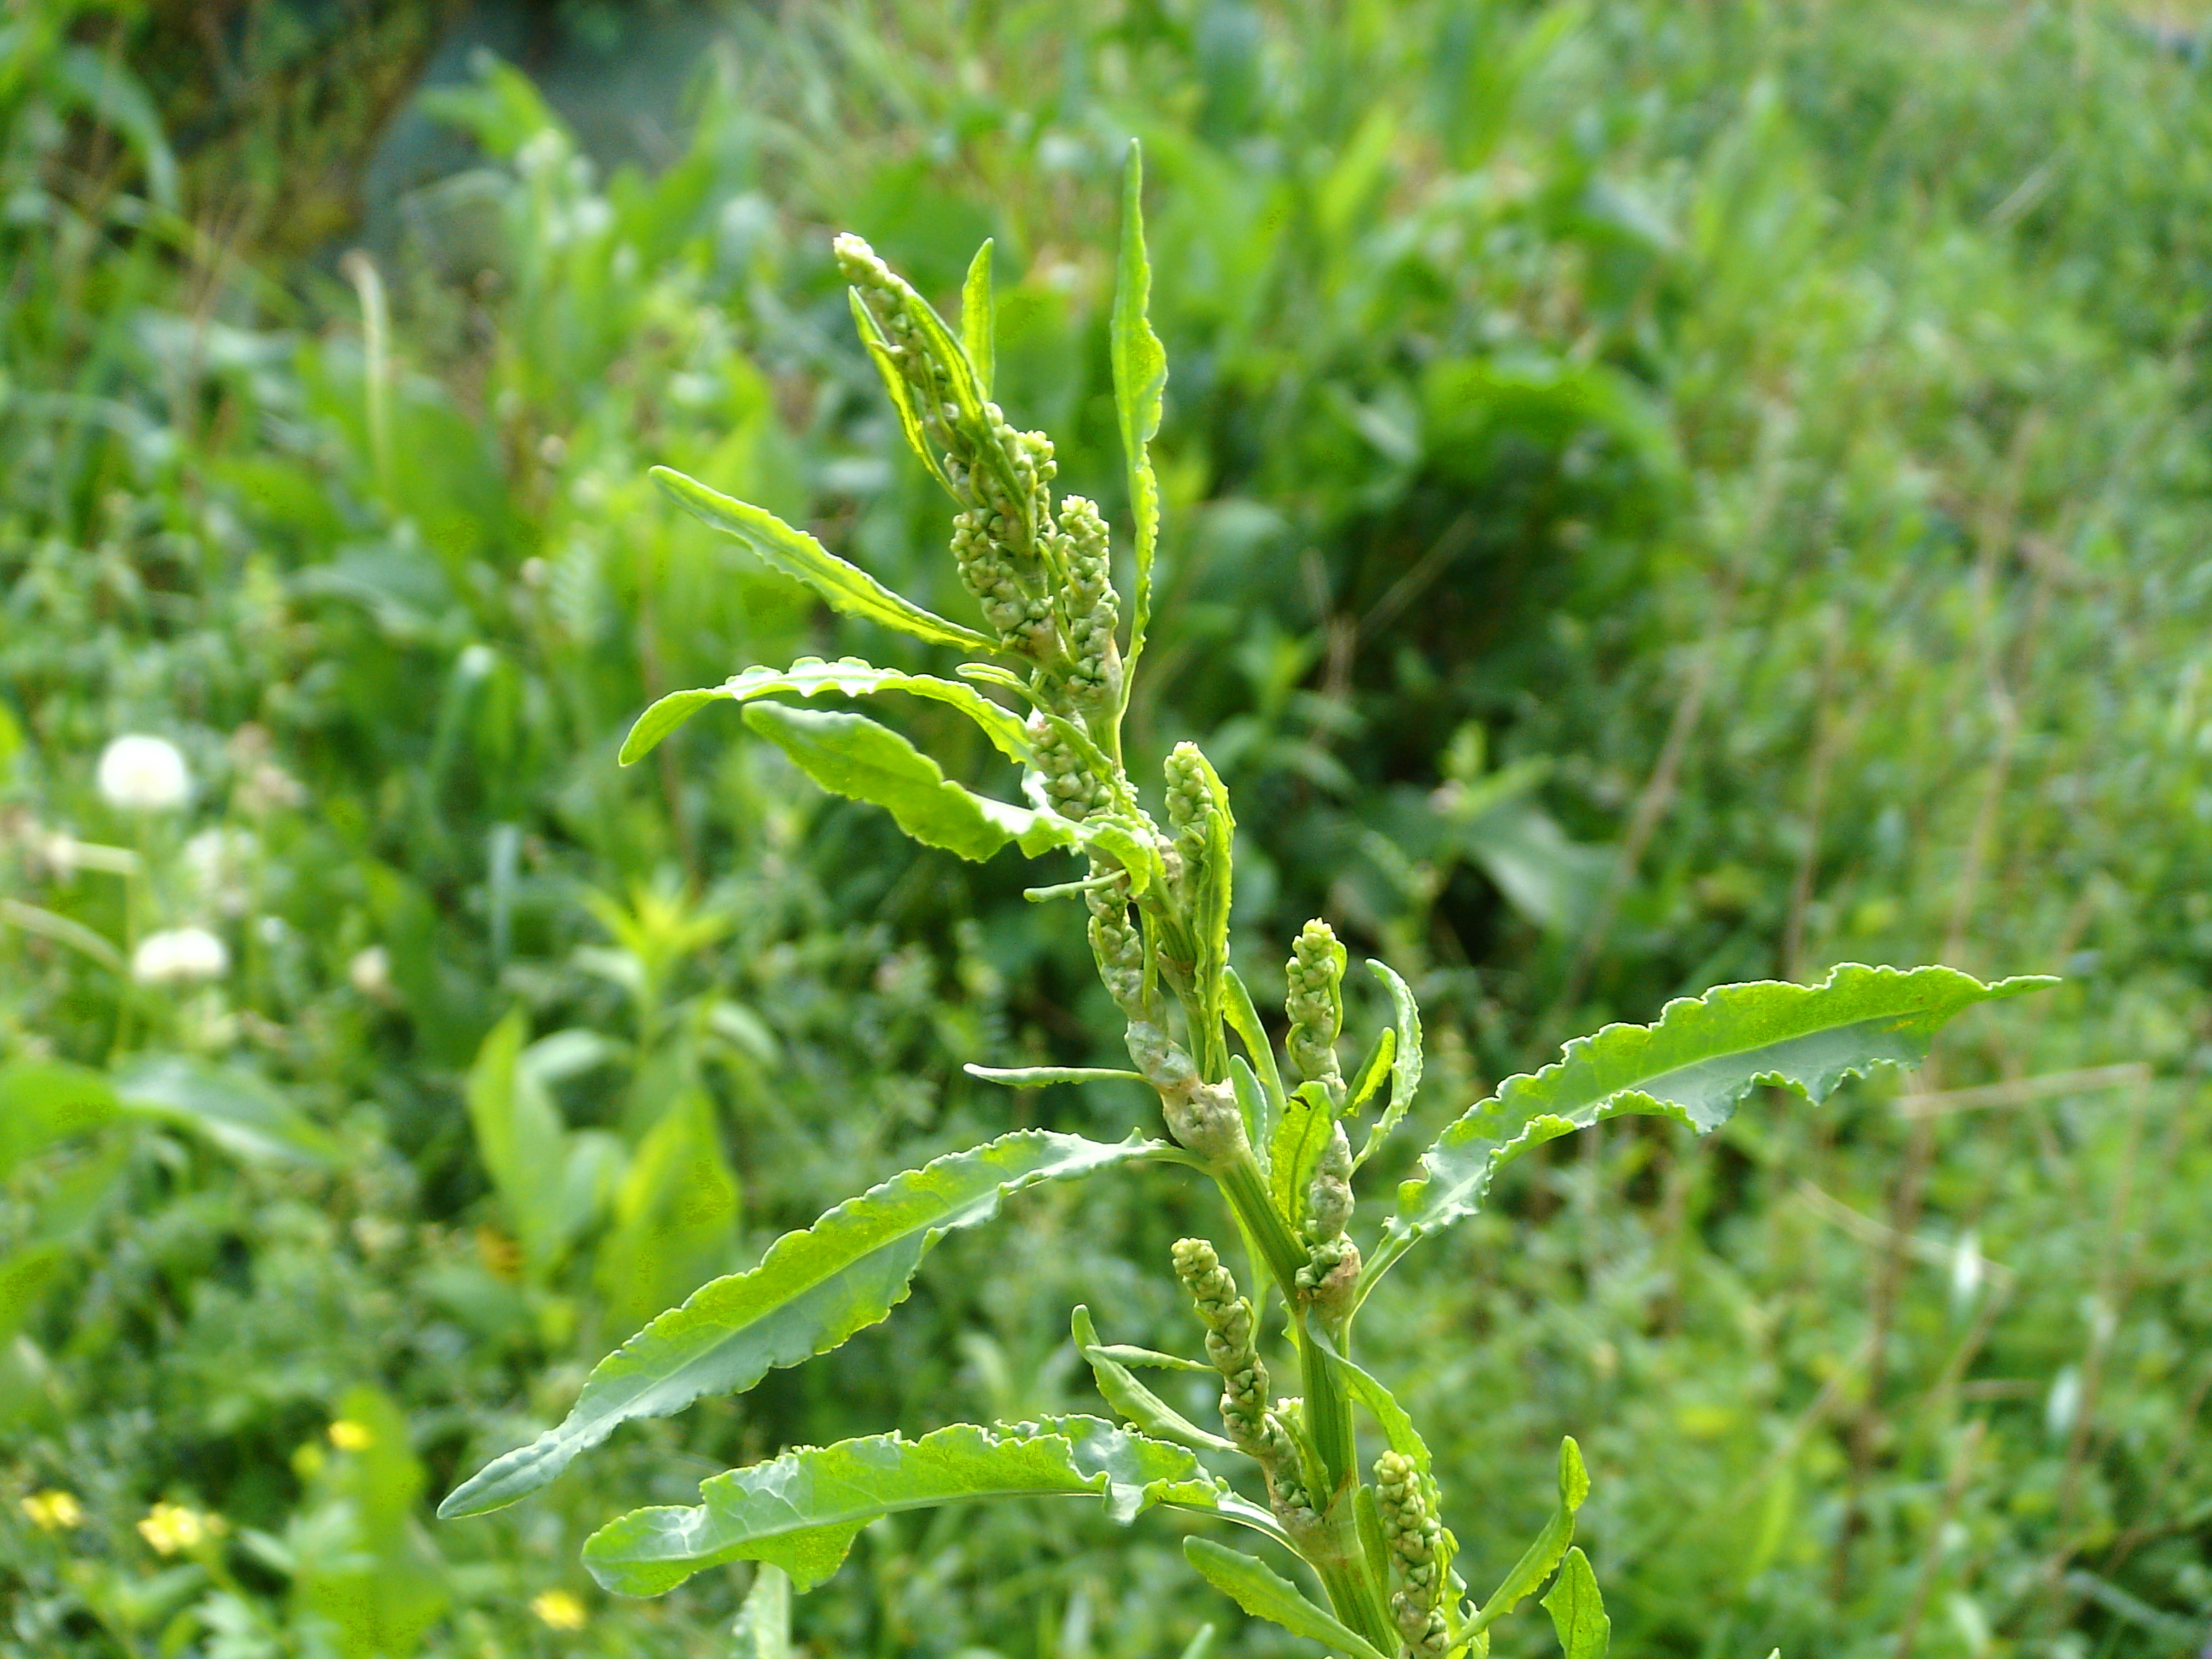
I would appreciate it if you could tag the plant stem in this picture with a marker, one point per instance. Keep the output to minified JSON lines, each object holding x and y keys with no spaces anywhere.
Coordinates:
{"x":1348,"y":1575}
{"x":1246,"y":1189}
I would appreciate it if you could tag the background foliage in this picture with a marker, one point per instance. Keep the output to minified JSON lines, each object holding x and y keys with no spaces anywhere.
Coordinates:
{"x":1655,"y":494}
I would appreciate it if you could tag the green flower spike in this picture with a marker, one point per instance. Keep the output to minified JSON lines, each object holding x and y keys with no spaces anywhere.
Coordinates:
{"x":1416,"y":1539}
{"x":1260,"y":1432}
{"x":1314,"y":1005}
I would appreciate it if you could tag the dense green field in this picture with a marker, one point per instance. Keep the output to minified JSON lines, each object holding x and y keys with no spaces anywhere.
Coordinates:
{"x":1655,"y":494}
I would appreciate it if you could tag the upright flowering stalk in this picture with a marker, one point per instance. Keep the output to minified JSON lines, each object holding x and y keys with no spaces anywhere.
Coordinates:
{"x":1046,"y":681}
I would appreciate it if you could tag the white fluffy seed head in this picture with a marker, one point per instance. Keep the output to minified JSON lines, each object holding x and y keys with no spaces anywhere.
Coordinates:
{"x":180,"y":956}
{"x":142,"y":773}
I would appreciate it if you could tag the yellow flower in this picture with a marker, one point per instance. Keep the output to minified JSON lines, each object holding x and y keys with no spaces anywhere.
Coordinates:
{"x":349,"y":1435}
{"x":52,"y":1511}
{"x":171,"y":1527}
{"x":558,"y":1609}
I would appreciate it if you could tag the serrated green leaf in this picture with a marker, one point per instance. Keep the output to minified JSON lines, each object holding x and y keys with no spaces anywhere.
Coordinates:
{"x":810,"y":1291}
{"x":1694,"y":1065}
{"x":843,"y":587}
{"x":979,"y":333}
{"x":1036,"y":1077}
{"x":1123,"y":1353}
{"x":851,"y":755}
{"x":1536,"y":1562}
{"x":1405,"y":1059}
{"x":1136,"y":1402}
{"x":1140,"y":378}
{"x":850,"y":676}
{"x":1577,"y":1610}
{"x":801,"y":1511}
{"x":1264,"y":1593}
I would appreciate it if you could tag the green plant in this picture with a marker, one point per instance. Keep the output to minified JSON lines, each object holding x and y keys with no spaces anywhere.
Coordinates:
{"x":1272,"y":1136}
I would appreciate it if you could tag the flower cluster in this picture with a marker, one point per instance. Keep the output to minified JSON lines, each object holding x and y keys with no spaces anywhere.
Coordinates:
{"x":1416,"y":1541}
{"x":52,"y":1509}
{"x":180,"y":956}
{"x":1261,"y":1431}
{"x":1072,"y":785}
{"x":171,"y":1528}
{"x":142,"y":773}
{"x":1091,"y":609}
{"x":1116,"y":945}
{"x":1190,"y":801}
{"x":1314,"y":1005}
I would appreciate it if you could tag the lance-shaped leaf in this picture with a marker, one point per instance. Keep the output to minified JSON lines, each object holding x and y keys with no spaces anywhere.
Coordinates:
{"x":878,"y":347}
{"x":851,"y":755}
{"x":811,"y":676}
{"x":1243,"y":1017}
{"x":1266,"y":1594}
{"x":1210,"y":898}
{"x":1577,"y":1610}
{"x":1405,"y":1059}
{"x":1036,"y":1077}
{"x":1368,"y":1078}
{"x":979,"y":333}
{"x":843,"y":587}
{"x":1140,"y":378}
{"x":1296,"y":1147}
{"x":811,"y":1291}
{"x":1537,"y":1561}
{"x":801,"y":1510}
{"x":1701,"y":1057}
{"x":1137,"y":1404}
{"x":1254,"y":1107}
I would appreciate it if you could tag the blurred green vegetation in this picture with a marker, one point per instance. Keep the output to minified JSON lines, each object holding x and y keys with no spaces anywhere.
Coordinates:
{"x":1657,"y":495}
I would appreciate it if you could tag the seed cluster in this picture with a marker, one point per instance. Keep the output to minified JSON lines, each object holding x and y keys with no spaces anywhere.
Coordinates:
{"x":1416,"y":1541}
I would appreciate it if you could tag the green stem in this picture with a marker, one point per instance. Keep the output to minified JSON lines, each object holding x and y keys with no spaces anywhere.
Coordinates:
{"x":1328,"y":1414}
{"x":1352,"y":1599}
{"x":1246,"y":1189}
{"x":1350,"y":1578}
